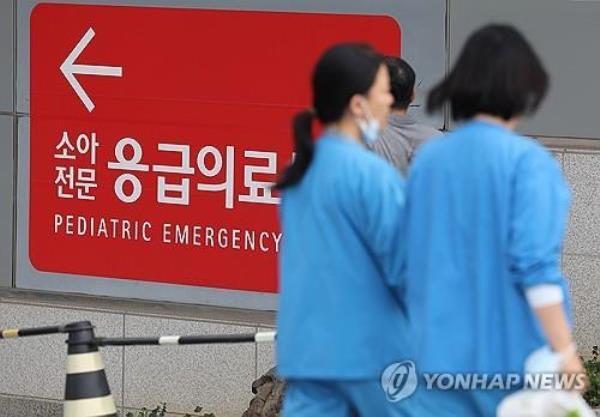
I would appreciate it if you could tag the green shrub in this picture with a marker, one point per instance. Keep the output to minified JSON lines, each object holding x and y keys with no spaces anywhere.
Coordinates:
{"x":161,"y":411}
{"x":592,"y":366}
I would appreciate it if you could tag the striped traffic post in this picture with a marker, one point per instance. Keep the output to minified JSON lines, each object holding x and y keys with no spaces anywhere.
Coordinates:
{"x":87,"y":393}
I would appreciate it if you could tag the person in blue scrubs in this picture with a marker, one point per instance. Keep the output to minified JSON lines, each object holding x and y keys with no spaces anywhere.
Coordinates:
{"x":340,"y":321}
{"x":486,"y":214}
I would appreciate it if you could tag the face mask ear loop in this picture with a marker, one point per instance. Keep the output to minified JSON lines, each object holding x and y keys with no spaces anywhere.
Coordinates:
{"x":369,"y":126}
{"x":368,"y":116}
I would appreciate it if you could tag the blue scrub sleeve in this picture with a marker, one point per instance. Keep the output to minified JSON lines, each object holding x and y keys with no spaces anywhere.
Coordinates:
{"x":383,"y":207}
{"x":540,"y":206}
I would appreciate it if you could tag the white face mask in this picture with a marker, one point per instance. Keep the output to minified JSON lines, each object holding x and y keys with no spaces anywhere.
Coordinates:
{"x":370,"y":128}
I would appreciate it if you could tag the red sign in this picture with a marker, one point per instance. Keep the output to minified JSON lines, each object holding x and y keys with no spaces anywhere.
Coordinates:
{"x":157,"y":132}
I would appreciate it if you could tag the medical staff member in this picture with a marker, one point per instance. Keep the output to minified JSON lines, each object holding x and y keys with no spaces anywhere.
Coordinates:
{"x":340,"y":322}
{"x":486,"y":217}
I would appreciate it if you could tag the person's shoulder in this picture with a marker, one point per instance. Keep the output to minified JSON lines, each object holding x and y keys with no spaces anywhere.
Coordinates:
{"x":434,"y":145}
{"x":358,"y":177}
{"x":533,"y":153}
{"x":537,"y":166}
{"x":356,"y":164}
{"x":375,"y":179}
{"x":427,"y":131}
{"x":370,"y":165}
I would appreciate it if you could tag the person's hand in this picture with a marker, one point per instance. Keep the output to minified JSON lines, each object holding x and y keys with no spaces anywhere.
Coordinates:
{"x":573,"y":365}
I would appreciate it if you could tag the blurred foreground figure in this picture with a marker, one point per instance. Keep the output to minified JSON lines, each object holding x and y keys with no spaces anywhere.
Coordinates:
{"x":486,"y":215}
{"x":340,"y":322}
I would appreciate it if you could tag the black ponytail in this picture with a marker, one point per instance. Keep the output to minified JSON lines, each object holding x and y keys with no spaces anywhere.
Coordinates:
{"x":304,"y":148}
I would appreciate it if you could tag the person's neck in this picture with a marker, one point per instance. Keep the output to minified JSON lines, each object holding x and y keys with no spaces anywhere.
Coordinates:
{"x":349,"y":129}
{"x":510,"y":124}
{"x":399,"y":112}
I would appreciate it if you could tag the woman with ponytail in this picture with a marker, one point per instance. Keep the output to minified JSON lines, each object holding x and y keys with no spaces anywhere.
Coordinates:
{"x":340,"y":321}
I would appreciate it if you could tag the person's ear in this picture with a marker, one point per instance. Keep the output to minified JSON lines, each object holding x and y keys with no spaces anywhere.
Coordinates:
{"x":413,"y":95}
{"x":356,"y":107}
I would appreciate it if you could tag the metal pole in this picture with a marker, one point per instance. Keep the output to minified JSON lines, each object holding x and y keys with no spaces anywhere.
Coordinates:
{"x":188,"y":340}
{"x":34,"y":331}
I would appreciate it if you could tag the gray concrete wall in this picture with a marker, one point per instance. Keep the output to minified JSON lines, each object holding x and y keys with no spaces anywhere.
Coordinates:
{"x":217,"y":377}
{"x":581,"y":253}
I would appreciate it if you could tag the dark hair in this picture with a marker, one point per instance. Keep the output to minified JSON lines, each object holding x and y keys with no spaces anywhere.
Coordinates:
{"x":497,"y":73}
{"x":342,"y":71}
{"x":402,"y":81}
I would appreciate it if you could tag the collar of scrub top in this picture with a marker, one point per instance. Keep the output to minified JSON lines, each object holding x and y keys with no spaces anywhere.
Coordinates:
{"x":485,"y":123}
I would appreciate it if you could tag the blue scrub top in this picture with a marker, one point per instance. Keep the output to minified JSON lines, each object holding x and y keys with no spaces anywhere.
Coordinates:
{"x":486,"y":216}
{"x":340,"y":262}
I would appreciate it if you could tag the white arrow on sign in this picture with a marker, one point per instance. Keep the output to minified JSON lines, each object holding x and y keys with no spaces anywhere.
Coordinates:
{"x":69,"y":69}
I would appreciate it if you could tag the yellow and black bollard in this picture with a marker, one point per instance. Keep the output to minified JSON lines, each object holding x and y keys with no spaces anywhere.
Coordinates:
{"x":87,"y":393}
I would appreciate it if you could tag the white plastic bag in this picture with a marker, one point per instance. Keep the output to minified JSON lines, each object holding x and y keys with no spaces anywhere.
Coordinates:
{"x":544,"y":403}
{"x":543,"y":360}
{"x":529,"y":403}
